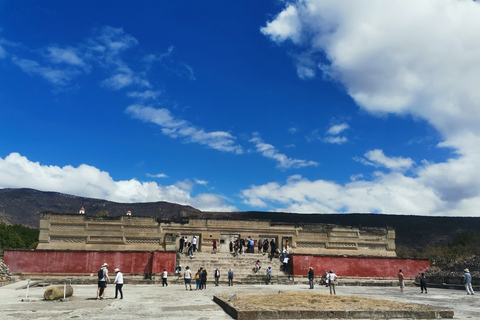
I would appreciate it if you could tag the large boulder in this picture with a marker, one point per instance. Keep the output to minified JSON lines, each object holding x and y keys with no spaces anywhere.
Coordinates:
{"x":56,"y":292}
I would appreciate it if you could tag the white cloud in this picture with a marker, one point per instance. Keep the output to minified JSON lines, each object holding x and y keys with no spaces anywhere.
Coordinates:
{"x":158,"y":175}
{"x":68,"y":56}
{"x":145,"y":95}
{"x":283,"y":162}
{"x":335,"y":140}
{"x":56,"y":76}
{"x":399,"y":57}
{"x":378,"y":158}
{"x":338,"y":128}
{"x":17,"y":171}
{"x":201,"y":182}
{"x":219,"y":140}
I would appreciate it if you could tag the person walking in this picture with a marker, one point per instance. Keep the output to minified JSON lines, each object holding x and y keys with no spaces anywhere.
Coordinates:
{"x":332,"y":278}
{"x":467,"y":279}
{"x":423,"y":282}
{"x":215,"y":246}
{"x":164,"y":278}
{"x":257,"y":266}
{"x":230,"y":278}
{"x":401,"y":282}
{"x":217,"y":276}
{"x":311,"y":277}
{"x":118,"y":283}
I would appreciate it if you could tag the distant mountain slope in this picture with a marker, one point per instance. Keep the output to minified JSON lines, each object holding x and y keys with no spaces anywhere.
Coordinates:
{"x":23,"y":205}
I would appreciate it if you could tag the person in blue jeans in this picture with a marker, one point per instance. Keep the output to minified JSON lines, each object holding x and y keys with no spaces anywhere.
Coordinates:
{"x":467,"y":279}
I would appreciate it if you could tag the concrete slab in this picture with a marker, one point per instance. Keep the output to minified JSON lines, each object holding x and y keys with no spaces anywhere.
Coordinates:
{"x":174,"y":302}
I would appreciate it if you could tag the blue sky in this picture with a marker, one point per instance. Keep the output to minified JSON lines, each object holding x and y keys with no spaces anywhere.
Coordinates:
{"x":304,"y":106}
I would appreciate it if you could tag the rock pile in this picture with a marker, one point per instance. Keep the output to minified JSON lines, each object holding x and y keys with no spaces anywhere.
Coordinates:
{"x":456,"y":270}
{"x":5,"y":274}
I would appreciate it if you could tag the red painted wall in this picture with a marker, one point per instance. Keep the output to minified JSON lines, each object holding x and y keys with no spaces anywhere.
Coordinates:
{"x":86,"y":262}
{"x":358,"y":266}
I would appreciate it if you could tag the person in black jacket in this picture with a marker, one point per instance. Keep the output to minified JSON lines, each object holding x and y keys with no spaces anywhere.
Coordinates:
{"x":203,"y":285}
{"x":311,"y":277}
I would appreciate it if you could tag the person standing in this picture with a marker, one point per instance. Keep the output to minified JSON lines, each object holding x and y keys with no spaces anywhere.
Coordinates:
{"x":118,"y":283}
{"x":164,"y":278}
{"x":217,"y":276}
{"x":198,"y":278}
{"x":332,"y":277}
{"x":230,"y":277}
{"x":187,"y":276}
{"x":182,"y":241}
{"x":423,"y":282}
{"x":467,"y":279}
{"x":102,"y":281}
{"x":269,"y":274}
{"x":311,"y":276}
{"x":194,"y":243}
{"x":273,"y":247}
{"x":285,"y":264}
{"x":203,"y":284}
{"x":401,"y":282}
{"x":190,"y":250}
{"x":215,"y":246}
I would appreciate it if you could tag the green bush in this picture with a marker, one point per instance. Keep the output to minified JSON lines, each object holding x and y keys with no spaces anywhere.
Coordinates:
{"x":17,"y":237}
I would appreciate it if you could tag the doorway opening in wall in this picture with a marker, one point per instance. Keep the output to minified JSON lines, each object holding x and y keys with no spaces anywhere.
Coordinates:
{"x":225,"y":240}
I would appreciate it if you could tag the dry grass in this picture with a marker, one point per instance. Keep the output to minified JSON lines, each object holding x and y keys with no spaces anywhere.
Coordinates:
{"x":318,"y":301}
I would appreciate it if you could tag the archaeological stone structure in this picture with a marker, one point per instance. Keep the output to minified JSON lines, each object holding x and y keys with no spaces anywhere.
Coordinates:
{"x":139,"y":233}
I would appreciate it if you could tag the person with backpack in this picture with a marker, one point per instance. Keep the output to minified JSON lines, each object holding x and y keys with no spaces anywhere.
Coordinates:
{"x":102,"y":281}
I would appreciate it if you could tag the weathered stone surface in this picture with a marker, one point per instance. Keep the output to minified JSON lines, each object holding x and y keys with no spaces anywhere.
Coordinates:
{"x":56,"y":292}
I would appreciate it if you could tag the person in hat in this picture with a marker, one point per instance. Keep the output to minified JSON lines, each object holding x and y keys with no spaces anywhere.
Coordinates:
{"x":102,"y":281}
{"x":311,"y":277}
{"x":467,"y":279}
{"x":118,"y":283}
{"x":332,"y":281}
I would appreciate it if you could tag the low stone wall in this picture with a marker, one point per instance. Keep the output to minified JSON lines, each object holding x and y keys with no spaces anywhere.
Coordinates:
{"x":87,"y":262}
{"x":368,"y":267}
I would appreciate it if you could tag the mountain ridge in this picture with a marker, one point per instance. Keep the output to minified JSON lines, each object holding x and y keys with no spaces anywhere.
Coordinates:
{"x":23,"y":206}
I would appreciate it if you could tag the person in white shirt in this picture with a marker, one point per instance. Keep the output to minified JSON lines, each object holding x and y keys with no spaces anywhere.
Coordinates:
{"x":331,"y":281}
{"x":118,"y":283}
{"x":194,"y":243}
{"x":164,"y":278}
{"x":285,"y":265}
{"x":187,"y":276}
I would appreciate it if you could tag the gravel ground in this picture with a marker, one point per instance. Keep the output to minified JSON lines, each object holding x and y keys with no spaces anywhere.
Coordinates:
{"x":174,"y":302}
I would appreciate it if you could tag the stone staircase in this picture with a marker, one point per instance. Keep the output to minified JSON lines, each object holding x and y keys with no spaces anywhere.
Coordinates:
{"x":243,"y":267}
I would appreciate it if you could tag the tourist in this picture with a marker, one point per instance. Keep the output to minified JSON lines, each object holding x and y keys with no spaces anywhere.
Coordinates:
{"x":217,"y":276}
{"x":467,"y":279}
{"x":182,"y":241}
{"x":311,"y":277}
{"x":164,"y":278}
{"x":102,"y":281}
{"x":423,"y":282}
{"x":203,"y":284}
{"x":230,"y":246}
{"x":242,"y":246}
{"x":285,"y":264}
{"x":401,"y":282}
{"x":284,"y":251}
{"x":187,"y":276}
{"x":118,"y":283}
{"x":265,"y":246}
{"x":257,"y":266}
{"x":198,"y":279}
{"x":190,"y":250}
{"x":287,"y":245}
{"x":332,"y":278}
{"x":230,"y":277}
{"x":269,"y":274}
{"x":273,"y":247}
{"x":260,"y":246}
{"x":178,"y":270}
{"x":194,"y":243}
{"x":325,"y":278}
{"x":214,"y":246}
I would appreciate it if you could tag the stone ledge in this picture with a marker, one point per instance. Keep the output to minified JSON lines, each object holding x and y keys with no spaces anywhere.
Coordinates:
{"x":322,"y":314}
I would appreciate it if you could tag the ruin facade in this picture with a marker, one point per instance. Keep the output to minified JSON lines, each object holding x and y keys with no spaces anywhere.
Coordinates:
{"x":138,"y":233}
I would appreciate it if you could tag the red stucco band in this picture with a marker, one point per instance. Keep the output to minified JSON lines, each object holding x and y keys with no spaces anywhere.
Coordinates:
{"x":87,"y":262}
{"x":358,"y":266}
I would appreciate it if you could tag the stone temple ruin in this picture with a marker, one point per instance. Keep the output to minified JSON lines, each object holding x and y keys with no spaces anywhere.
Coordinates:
{"x":137,"y":233}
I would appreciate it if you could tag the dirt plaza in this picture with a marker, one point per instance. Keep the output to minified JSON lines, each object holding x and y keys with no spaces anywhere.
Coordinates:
{"x":174,"y":302}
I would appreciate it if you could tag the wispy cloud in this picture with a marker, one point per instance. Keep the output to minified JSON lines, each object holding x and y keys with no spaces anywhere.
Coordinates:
{"x":201,"y":182}
{"x":283,"y":162}
{"x":145,"y":95}
{"x":378,"y":159}
{"x":336,"y":129}
{"x":56,"y":76}
{"x":158,"y":175}
{"x":177,"y":128}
